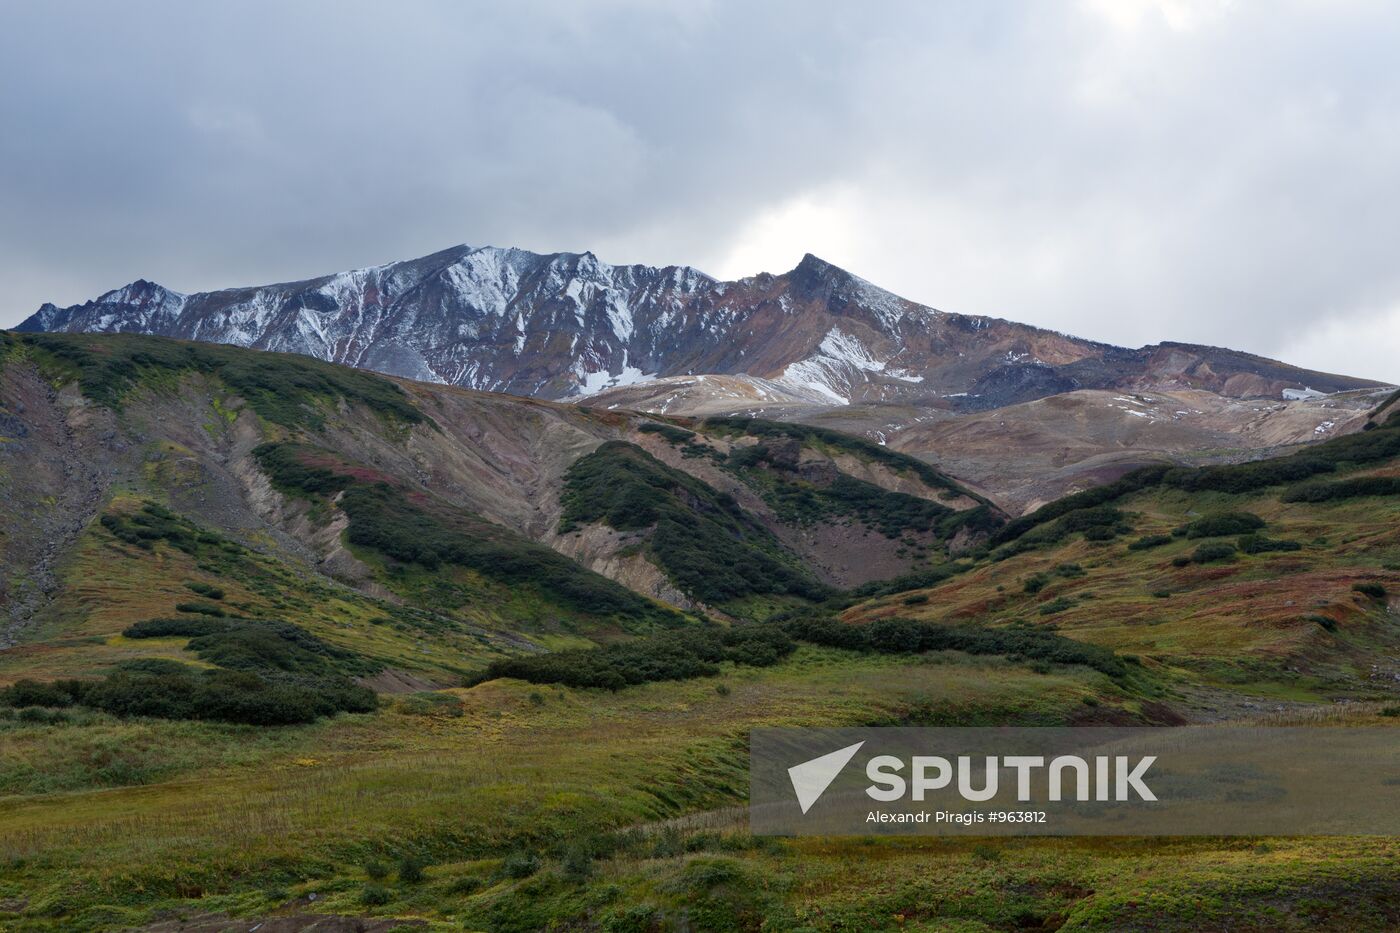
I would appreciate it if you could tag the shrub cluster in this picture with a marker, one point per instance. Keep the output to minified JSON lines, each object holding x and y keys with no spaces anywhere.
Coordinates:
{"x":1097,"y":523}
{"x":709,"y":546}
{"x":909,"y":636}
{"x":917,"y":580}
{"x":1149,"y":541}
{"x":175,"y":691}
{"x":669,"y":431}
{"x":255,"y":645}
{"x":281,"y":387}
{"x":1222,"y":524}
{"x":862,"y":448}
{"x":1372,"y":446}
{"x":1344,"y":489}
{"x":1259,"y":544}
{"x":154,"y":522}
{"x":382,"y":518}
{"x":1209,"y":553}
{"x":204,"y":589}
{"x":677,"y":655}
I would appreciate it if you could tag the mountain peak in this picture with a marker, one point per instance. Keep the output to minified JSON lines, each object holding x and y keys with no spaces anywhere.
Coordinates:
{"x":812,"y":264}
{"x":550,"y":325}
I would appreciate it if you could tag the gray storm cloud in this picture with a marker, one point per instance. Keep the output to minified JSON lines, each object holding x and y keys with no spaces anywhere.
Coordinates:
{"x":1129,"y":171}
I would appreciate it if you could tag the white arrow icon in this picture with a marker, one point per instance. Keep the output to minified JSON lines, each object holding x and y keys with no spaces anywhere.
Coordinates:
{"x":811,"y":778}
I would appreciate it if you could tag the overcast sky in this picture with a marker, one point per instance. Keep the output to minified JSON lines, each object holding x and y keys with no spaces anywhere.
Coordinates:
{"x":1125,"y":170}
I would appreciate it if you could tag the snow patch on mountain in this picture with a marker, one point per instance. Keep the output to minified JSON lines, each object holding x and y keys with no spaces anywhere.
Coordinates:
{"x":593,"y":383}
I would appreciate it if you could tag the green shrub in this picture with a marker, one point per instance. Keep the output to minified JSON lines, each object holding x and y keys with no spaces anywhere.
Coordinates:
{"x":909,"y":636}
{"x":1057,"y":605}
{"x":521,"y":864}
{"x":288,"y":389}
{"x":1224,"y":523}
{"x":1149,"y":541}
{"x":1259,"y":544}
{"x":917,"y":599}
{"x":375,"y":895}
{"x":1326,"y":622}
{"x":706,"y":544}
{"x":384,"y":519}
{"x":866,"y":450}
{"x":1373,"y":590}
{"x":204,"y":589}
{"x":208,"y":609}
{"x":255,"y":645}
{"x":672,"y":433}
{"x":221,"y":695}
{"x":1208,"y":553}
{"x":411,"y":870}
{"x":917,"y":580}
{"x":679,"y":655}
{"x":1035,"y":583}
{"x":376,"y":870}
{"x":1344,"y":489}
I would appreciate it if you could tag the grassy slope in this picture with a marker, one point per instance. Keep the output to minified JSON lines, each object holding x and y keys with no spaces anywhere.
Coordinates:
{"x":1284,"y":622}
{"x":706,"y":544}
{"x":251,"y":822}
{"x":103,"y":822}
{"x":114,"y":584}
{"x":520,"y":767}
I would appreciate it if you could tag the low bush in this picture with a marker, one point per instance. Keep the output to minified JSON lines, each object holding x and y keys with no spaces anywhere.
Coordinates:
{"x":867,"y":450}
{"x":204,"y":589}
{"x":1059,"y":604}
{"x":258,"y":645}
{"x":221,"y":695}
{"x":1149,"y":541}
{"x":709,"y":546}
{"x":1373,"y":590}
{"x":1209,"y":553}
{"x":670,"y":432}
{"x":207,"y":609}
{"x":909,"y":636}
{"x":1259,"y":544}
{"x":411,"y":870}
{"x":1224,"y":523}
{"x":917,"y":580}
{"x":383,"y":518}
{"x":1344,"y":489}
{"x":678,"y":655}
{"x":520,"y":864}
{"x":288,"y":389}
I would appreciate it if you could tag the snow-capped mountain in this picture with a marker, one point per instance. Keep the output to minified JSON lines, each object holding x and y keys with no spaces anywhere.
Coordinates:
{"x":567,"y":325}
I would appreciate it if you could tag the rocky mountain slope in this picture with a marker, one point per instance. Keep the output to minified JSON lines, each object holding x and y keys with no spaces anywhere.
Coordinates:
{"x":568,"y":325}
{"x":136,"y":465}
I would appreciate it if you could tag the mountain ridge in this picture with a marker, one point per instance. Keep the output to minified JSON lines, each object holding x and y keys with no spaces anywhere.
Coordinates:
{"x":566,"y":326}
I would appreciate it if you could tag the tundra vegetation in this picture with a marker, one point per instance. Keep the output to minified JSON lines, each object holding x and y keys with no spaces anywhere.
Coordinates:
{"x":487,"y":736}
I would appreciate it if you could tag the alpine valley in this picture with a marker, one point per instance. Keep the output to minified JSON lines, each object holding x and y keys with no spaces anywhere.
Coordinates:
{"x":443,"y":595}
